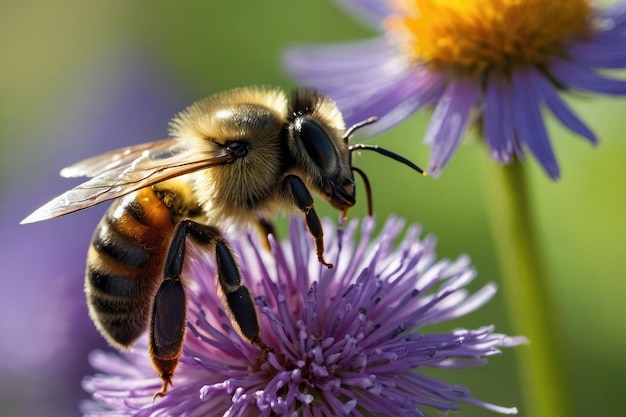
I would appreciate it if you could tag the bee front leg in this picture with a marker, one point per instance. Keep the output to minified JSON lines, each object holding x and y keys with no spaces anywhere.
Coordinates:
{"x":302,"y":198}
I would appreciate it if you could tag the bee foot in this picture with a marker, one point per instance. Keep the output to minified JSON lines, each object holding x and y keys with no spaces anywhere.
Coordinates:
{"x":163,"y":391}
{"x":320,"y":257}
{"x":265,"y":349}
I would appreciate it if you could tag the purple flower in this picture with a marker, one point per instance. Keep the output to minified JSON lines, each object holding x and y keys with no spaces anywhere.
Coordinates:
{"x":347,"y":341}
{"x":494,"y":61}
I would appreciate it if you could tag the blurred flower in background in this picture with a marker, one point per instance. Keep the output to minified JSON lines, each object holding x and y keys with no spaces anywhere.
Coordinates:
{"x":46,"y":331}
{"x":344,"y":339}
{"x":498,"y":61}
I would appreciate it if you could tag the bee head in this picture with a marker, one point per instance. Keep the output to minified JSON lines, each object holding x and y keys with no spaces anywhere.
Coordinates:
{"x":327,"y":165}
{"x":315,"y":139}
{"x":320,"y":144}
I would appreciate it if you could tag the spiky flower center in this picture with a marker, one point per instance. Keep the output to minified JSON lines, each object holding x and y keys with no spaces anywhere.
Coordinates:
{"x":474,"y":36}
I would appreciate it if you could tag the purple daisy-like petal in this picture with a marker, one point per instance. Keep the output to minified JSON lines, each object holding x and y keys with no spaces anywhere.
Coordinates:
{"x":389,"y":78}
{"x":371,"y":61}
{"x":398,"y":101}
{"x":529,"y":123}
{"x":394,"y":89}
{"x":499,"y":128}
{"x":449,"y":122}
{"x":582,"y":78}
{"x":372,"y":12}
{"x":549,"y":95}
{"x":600,"y":50}
{"x":345,"y":340}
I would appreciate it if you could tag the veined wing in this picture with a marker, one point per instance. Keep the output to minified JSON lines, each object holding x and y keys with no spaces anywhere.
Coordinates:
{"x":111,"y":160}
{"x":152,"y":166}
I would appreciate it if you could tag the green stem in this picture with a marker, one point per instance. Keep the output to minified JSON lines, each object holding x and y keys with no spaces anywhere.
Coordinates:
{"x":527,"y":292}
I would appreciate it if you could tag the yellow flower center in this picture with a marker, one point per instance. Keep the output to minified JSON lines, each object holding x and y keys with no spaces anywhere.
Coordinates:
{"x":476,"y":35}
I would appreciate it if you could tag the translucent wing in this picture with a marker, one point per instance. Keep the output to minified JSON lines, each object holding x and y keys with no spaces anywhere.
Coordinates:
{"x":108,"y":161}
{"x":121,"y":172}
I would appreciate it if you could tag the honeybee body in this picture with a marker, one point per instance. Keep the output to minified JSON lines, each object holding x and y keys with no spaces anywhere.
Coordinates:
{"x":235,"y":159}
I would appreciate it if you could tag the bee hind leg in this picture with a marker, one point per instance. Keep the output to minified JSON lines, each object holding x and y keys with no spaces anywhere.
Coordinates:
{"x":158,"y":394}
{"x":169,"y":311}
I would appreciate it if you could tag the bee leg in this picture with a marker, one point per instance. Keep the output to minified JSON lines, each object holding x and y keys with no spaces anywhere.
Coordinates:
{"x":167,"y":328}
{"x":237,"y":298}
{"x":169,"y":313}
{"x":266,"y":228}
{"x":302,"y":198}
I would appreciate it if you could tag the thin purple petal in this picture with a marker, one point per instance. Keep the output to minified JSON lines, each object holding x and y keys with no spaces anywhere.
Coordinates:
{"x":394,"y":91}
{"x":573,"y":75}
{"x":449,"y":122}
{"x":605,"y":48}
{"x":593,"y":54}
{"x":558,"y":107}
{"x":373,"y":63}
{"x":467,"y":305}
{"x":371,"y":12}
{"x":370,"y":60}
{"x":529,"y":124}
{"x":492,"y":407}
{"x":498,"y":120}
{"x":610,"y":22}
{"x":416,"y":89}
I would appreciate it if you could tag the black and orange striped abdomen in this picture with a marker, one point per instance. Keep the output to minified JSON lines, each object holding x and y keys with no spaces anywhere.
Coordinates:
{"x":125,"y":265}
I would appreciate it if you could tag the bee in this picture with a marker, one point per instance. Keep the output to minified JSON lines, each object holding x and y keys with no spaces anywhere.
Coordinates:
{"x":236,"y":158}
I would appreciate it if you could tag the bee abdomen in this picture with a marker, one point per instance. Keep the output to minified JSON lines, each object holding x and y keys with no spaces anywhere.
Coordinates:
{"x":114,"y":286}
{"x":125,"y":265}
{"x":118,"y":304}
{"x":118,"y":247}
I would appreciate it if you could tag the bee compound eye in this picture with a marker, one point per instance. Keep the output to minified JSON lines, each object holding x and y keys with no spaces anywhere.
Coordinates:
{"x":237,"y":148}
{"x":317,"y":145}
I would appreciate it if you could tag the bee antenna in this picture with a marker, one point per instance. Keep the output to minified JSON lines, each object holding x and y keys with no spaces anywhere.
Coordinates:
{"x":368,"y":190}
{"x":387,"y":153}
{"x":357,"y":126}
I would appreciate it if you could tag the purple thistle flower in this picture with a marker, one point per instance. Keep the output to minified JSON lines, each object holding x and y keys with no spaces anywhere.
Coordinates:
{"x":496,"y":62}
{"x":344,"y":339}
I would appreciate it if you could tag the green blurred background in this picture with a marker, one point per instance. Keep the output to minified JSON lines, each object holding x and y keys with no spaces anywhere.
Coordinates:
{"x":57,"y":56}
